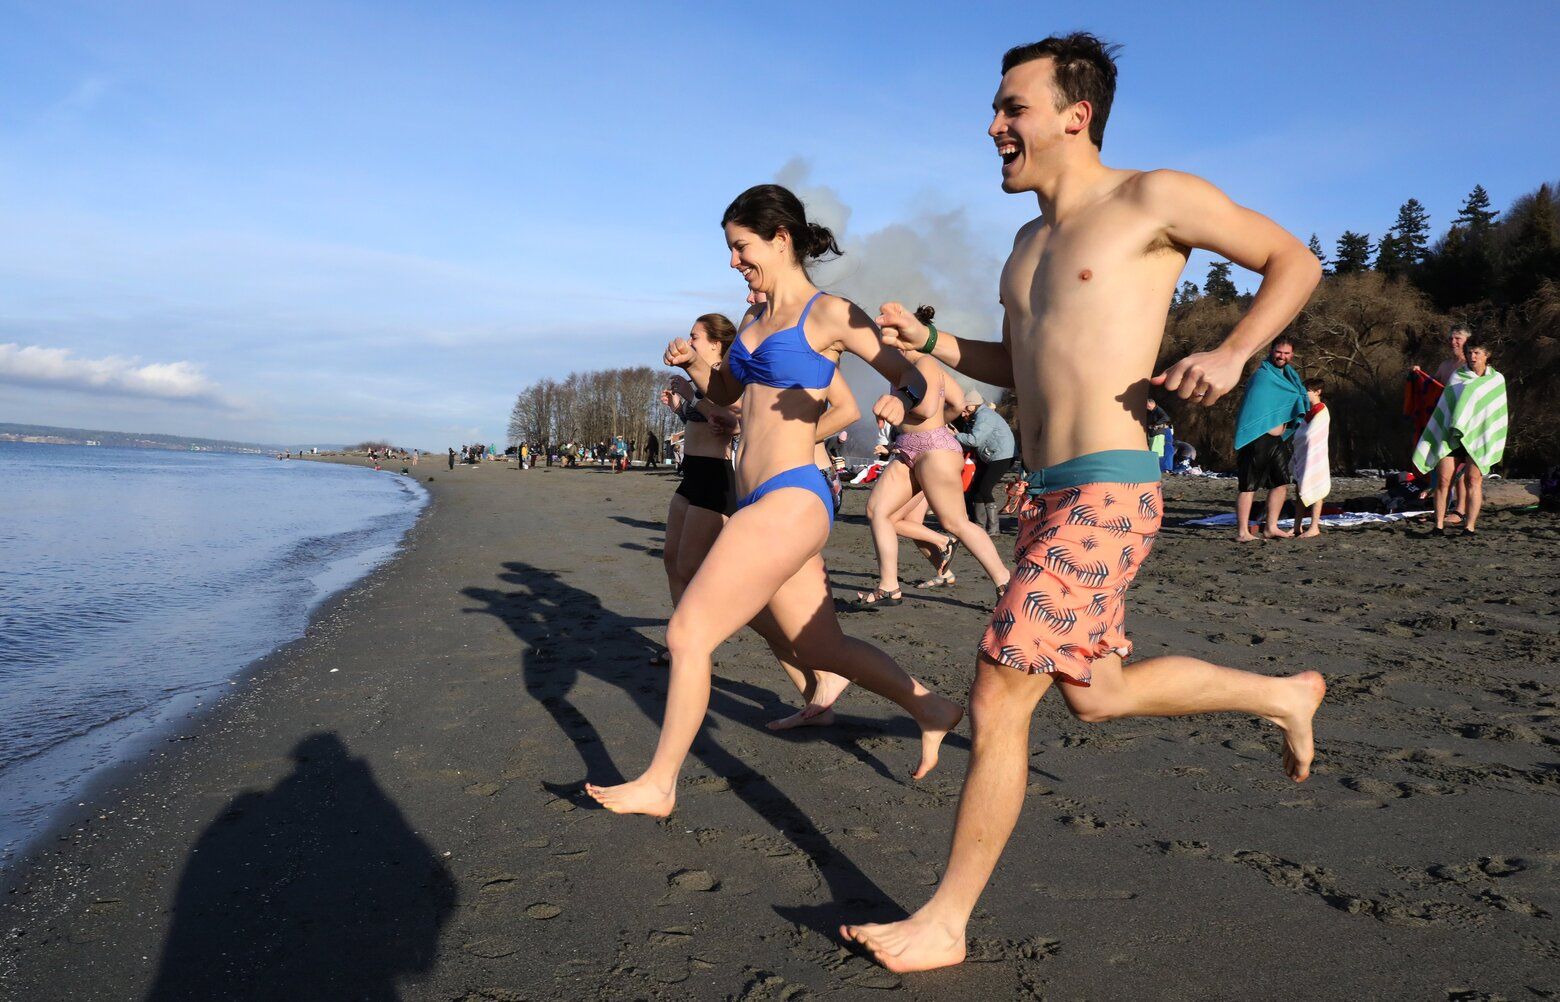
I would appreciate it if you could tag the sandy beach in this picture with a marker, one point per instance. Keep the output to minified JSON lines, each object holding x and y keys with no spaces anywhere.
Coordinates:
{"x":391,"y":806}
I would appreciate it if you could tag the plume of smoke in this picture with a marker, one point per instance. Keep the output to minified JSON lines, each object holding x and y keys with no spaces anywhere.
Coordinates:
{"x":932,"y":257}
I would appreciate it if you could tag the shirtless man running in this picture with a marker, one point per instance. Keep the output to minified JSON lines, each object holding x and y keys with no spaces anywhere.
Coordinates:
{"x":1086,"y":292}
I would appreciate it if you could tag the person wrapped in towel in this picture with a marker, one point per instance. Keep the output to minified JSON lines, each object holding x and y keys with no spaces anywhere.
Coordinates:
{"x":1469,"y":423}
{"x":1274,"y":406}
{"x":1313,"y":471}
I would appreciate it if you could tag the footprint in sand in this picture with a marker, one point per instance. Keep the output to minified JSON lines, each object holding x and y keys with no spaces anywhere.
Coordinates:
{"x":544,"y":910}
{"x":693,"y":880}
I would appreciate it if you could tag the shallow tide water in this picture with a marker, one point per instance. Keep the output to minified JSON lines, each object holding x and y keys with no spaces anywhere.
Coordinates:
{"x":135,"y":584}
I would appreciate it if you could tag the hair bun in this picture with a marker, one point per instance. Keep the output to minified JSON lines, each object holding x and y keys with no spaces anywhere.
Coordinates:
{"x":820,"y":241}
{"x":925,"y":314}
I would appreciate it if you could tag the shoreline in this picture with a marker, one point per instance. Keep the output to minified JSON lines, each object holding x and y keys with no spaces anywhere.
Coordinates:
{"x":410,"y":826}
{"x":154,"y":726}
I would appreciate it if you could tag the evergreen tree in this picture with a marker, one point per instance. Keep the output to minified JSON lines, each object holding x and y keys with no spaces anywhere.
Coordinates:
{"x":1353,"y":254}
{"x":1391,"y":258}
{"x":1219,"y":284}
{"x":1475,"y":213}
{"x":1412,"y":232}
{"x":1533,"y":254}
{"x":1186,"y":295}
{"x":1316,"y":248}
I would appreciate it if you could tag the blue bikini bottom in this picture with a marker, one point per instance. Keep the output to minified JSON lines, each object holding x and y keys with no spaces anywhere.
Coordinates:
{"x":809,"y":478}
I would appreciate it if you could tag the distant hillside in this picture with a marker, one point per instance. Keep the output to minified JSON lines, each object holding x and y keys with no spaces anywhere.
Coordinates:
{"x":127,"y":440}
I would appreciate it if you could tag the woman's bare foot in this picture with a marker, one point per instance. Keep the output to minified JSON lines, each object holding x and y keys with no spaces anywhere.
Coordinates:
{"x":1304,"y":695}
{"x":940,"y":716}
{"x":1311,"y":533}
{"x":819,"y":711}
{"x":1278,"y":533}
{"x":916,"y":944}
{"x":639,"y":796}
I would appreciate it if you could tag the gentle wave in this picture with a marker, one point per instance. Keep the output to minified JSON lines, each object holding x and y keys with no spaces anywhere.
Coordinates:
{"x":133,"y":582}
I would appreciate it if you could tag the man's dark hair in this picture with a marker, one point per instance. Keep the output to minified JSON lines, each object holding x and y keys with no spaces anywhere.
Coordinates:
{"x":1314,"y":384}
{"x":1476,"y":342}
{"x":1282,"y":339}
{"x":1085,"y":71}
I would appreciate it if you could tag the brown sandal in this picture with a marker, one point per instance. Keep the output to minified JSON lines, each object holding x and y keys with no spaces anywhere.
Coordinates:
{"x":877,"y":598}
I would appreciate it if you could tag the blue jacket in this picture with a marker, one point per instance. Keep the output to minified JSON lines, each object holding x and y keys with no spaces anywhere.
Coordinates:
{"x":989,"y":436}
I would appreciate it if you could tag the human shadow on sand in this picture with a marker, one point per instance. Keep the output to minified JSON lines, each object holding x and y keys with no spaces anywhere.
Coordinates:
{"x":316,"y":888}
{"x":567,"y":632}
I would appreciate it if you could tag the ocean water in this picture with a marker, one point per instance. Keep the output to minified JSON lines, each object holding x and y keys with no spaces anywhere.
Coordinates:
{"x":136,"y":584}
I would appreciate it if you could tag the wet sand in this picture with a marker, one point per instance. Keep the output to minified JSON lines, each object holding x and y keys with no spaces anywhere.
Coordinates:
{"x":390,"y":807}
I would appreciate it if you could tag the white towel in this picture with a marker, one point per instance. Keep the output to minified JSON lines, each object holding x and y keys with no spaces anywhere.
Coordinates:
{"x":1312,"y":470}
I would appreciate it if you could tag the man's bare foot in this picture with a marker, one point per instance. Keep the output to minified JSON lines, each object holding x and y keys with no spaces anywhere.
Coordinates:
{"x":637,"y":797}
{"x":819,"y":711}
{"x":940,"y":715}
{"x":916,"y":944}
{"x":1311,"y":533}
{"x":1279,"y":533}
{"x":1303,"y":696}
{"x":1246,"y":537}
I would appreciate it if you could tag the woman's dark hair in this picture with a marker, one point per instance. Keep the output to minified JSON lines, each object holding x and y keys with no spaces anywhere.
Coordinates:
{"x":1085,"y":71}
{"x":766,"y":209}
{"x":925,"y":314}
{"x":719,"y":328}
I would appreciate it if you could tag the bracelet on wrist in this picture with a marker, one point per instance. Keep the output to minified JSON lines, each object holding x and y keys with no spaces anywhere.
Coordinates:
{"x":931,"y":338}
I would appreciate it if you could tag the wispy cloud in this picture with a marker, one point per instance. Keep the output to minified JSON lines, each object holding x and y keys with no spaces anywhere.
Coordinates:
{"x":34,"y":365}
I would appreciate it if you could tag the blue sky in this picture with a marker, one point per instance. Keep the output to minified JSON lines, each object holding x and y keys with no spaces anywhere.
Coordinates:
{"x":325,"y":222}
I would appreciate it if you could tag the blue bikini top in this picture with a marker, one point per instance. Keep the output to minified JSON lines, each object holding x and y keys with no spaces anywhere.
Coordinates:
{"x":784,"y":360}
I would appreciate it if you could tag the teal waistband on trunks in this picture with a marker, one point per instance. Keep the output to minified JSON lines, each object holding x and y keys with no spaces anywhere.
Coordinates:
{"x":1114,"y":466}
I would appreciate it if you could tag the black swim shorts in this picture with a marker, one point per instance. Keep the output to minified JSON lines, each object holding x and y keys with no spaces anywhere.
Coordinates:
{"x":1263,"y":464}
{"x":709,"y":483}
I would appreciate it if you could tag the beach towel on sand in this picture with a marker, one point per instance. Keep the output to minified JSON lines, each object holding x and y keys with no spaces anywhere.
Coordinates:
{"x":1471,"y":415}
{"x":1312,"y":470}
{"x":1274,"y":396}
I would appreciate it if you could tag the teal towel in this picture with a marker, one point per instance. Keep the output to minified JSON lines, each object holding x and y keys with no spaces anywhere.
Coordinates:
{"x":1274,"y":397}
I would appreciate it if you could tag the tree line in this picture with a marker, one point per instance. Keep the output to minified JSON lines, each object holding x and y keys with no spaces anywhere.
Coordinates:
{"x":591,"y":407}
{"x":1387,"y":304}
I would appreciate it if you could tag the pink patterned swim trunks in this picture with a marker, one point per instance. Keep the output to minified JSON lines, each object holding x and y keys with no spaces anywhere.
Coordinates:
{"x":1078,"y":550}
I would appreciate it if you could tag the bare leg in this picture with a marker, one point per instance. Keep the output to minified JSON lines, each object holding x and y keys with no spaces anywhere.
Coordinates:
{"x":1316,"y":520}
{"x":1275,"y":509}
{"x":1243,"y":502}
{"x":676,"y":511}
{"x":819,"y":688}
{"x":1002,"y":703}
{"x":939,"y":471}
{"x":910,"y":522}
{"x":746,"y":567}
{"x":1473,"y":490}
{"x":804,"y":611}
{"x":1443,"y":488}
{"x":1173,"y":686}
{"x":889,"y":494}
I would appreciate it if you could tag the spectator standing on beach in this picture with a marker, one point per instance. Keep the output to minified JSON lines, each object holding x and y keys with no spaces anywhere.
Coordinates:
{"x":1273,"y":407}
{"x":652,"y":451}
{"x":452,"y":457}
{"x":985,"y":432}
{"x":1161,"y":435}
{"x":1313,"y":466}
{"x":1456,"y":342}
{"x":1469,"y":425}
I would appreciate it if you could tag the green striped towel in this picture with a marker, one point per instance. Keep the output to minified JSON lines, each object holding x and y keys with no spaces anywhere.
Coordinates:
{"x":1471,"y":414}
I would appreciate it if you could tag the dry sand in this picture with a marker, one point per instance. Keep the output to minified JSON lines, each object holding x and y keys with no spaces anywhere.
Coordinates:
{"x":389,"y":807}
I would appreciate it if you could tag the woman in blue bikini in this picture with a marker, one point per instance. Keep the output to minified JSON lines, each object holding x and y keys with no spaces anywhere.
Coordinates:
{"x":768,"y":560}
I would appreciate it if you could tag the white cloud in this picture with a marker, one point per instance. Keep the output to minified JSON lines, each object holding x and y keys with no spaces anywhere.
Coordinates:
{"x":34,"y":365}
